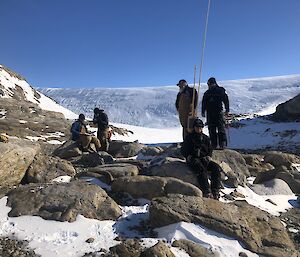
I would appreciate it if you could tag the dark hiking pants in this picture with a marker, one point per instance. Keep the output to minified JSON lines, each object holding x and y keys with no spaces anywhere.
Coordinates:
{"x":215,"y":176}
{"x":202,"y":168}
{"x":216,"y":129}
{"x":217,"y":135}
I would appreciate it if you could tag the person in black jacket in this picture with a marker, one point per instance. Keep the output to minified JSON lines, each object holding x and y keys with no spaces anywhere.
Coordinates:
{"x":212,"y":105}
{"x":101,"y":119}
{"x":197,"y":150}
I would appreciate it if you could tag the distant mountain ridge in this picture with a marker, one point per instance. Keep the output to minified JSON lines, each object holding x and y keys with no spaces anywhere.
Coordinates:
{"x":155,"y":106}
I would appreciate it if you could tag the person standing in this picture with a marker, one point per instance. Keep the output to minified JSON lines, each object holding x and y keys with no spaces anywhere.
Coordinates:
{"x":212,"y":106}
{"x":101,"y":119}
{"x":81,"y":135}
{"x":184,"y":104}
{"x":197,"y":150}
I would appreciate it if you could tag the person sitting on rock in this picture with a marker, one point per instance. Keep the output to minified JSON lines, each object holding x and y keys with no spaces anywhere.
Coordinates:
{"x":197,"y":150}
{"x":81,"y":135}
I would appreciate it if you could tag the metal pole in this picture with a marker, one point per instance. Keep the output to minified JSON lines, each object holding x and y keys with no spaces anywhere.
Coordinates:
{"x":203,"y":46}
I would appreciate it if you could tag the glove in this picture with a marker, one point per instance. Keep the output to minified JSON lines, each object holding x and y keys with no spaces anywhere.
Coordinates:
{"x":189,"y":158}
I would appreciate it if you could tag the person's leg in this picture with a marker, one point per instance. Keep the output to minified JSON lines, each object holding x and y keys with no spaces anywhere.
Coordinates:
{"x":202,"y":176}
{"x":103,"y":134}
{"x":222,"y":136}
{"x":84,"y":141}
{"x":215,"y":184}
{"x":96,"y":142}
{"x":212,"y":130}
{"x":184,"y":132}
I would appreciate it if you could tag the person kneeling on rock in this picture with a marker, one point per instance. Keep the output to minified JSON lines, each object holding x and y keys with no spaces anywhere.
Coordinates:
{"x":81,"y":135}
{"x":197,"y":150}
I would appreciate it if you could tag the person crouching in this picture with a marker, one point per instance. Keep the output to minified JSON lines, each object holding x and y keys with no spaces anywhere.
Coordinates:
{"x":197,"y":150}
{"x":81,"y":135}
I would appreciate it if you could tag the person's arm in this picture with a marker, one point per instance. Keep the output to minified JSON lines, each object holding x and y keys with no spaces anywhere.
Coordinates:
{"x":95,"y":120}
{"x":104,"y":120}
{"x":203,"y":110}
{"x":196,"y":99}
{"x":226,"y":102}
{"x":75,"y":129}
{"x":177,"y":101}
{"x":209,"y":147}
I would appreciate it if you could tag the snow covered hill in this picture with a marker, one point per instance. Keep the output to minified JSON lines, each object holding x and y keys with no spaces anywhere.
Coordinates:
{"x":154,"y":106}
{"x":14,"y":86}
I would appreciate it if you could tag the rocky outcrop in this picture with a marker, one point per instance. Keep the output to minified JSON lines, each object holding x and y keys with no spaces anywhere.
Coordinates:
{"x":46,"y":168}
{"x":149,"y":187}
{"x":122,"y":149}
{"x":15,"y":158}
{"x":259,"y":231}
{"x":288,"y":111}
{"x":62,"y":202}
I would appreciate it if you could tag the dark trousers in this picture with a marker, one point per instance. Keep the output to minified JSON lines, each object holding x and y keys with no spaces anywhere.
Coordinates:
{"x":202,"y":168}
{"x":217,"y":135}
{"x":216,"y":129}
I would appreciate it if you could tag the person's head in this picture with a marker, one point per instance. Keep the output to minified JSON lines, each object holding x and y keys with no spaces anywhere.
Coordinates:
{"x":182,"y":83}
{"x":96,"y":110}
{"x":211,"y":82}
{"x":198,"y":125}
{"x":81,"y":117}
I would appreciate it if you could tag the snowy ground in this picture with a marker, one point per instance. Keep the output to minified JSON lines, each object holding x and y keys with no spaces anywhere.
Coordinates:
{"x":52,"y":238}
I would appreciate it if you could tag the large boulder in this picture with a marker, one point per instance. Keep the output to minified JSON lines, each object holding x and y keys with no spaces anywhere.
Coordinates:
{"x":15,"y":158}
{"x":259,"y":231}
{"x":68,"y":150}
{"x":238,"y":167}
{"x":193,"y":249}
{"x":288,"y":111}
{"x":278,"y":159}
{"x":289,"y":176}
{"x":149,"y":187}
{"x":116,"y":170}
{"x":272,"y":187}
{"x":63,"y":201}
{"x":158,"y":250}
{"x":122,"y":149}
{"x":172,"y":167}
{"x":255,"y":164}
{"x":46,"y":168}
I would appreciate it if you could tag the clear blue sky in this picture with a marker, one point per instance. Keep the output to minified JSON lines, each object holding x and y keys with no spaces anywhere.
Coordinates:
{"x":113,"y":43}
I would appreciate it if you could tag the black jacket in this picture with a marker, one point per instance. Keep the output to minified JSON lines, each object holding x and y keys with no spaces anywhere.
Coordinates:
{"x":197,"y":145}
{"x":101,"y":120}
{"x":213,"y":99}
